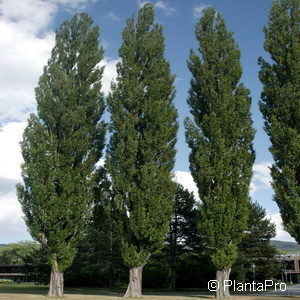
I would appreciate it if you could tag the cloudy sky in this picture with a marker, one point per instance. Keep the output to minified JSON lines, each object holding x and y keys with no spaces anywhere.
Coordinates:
{"x":27,"y":36}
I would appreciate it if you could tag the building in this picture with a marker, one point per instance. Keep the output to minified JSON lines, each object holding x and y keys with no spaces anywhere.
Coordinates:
{"x":14,"y":272}
{"x":291,"y":265}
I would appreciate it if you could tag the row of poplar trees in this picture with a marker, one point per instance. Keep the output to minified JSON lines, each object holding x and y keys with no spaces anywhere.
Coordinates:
{"x":64,"y":140}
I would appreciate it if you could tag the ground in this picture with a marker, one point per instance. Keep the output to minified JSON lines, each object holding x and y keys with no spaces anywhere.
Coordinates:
{"x":34,"y":292}
{"x":97,"y":297}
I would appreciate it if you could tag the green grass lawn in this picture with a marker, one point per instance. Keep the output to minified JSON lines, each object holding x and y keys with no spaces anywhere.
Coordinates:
{"x":28,"y":291}
{"x":97,"y":297}
{"x":29,"y":288}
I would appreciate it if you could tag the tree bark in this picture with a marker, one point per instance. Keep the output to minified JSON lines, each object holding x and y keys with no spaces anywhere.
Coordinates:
{"x":221,"y":276}
{"x":134,"y":289}
{"x":111,"y":270}
{"x":173,"y":248}
{"x":56,"y":287}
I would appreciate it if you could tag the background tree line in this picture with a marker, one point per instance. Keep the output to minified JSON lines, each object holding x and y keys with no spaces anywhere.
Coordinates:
{"x":182,"y":263}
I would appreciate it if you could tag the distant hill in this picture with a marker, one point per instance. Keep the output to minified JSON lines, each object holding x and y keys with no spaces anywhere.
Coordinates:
{"x":286,"y":247}
{"x":1,"y":245}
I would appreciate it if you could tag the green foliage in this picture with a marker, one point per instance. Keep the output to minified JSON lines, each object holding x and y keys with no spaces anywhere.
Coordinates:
{"x":6,"y":280}
{"x":286,"y":247}
{"x":220,"y":138}
{"x":62,"y":143}
{"x":156,"y":273}
{"x":255,"y":248}
{"x":182,"y":262}
{"x":98,"y":261}
{"x":143,"y":135}
{"x":183,"y":236}
{"x":194,"y":271}
{"x":19,"y":253}
{"x":30,"y":253}
{"x":184,"y":223}
{"x":224,"y":256}
{"x":280,"y":106}
{"x":132,"y":256}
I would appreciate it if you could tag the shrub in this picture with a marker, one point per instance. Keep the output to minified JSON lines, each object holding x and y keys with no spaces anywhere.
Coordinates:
{"x":6,"y":280}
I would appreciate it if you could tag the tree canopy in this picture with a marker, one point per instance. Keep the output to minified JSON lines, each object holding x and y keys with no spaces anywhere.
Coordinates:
{"x":143,"y":135}
{"x":280,"y":106}
{"x":220,"y":138}
{"x":62,"y":143}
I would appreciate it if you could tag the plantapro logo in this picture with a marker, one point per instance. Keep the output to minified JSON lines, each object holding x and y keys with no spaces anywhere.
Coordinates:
{"x":214,"y":286}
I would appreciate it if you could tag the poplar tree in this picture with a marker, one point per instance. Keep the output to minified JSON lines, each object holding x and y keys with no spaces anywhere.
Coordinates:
{"x":220,"y":139}
{"x":143,"y":136}
{"x":280,"y":106}
{"x":61,"y":145}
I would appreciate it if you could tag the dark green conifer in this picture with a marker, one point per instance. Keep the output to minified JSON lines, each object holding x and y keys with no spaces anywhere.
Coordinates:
{"x":183,"y":236}
{"x":220,"y":139}
{"x":141,"y":150}
{"x":280,"y":106}
{"x":256,"y":256}
{"x":61,"y":145}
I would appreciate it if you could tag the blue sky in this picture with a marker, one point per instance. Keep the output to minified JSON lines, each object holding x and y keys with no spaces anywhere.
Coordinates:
{"x":27,"y":36}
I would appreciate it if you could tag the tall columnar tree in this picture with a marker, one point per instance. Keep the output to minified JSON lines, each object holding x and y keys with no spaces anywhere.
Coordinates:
{"x":141,"y":150}
{"x":280,"y":106}
{"x":220,"y":139}
{"x":61,"y":145}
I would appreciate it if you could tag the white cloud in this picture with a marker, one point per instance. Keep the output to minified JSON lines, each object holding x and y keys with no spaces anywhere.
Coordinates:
{"x":261,"y":177}
{"x":112,"y":17}
{"x":186,"y":179}
{"x":12,"y":225}
{"x":100,"y":163}
{"x":165,"y":7}
{"x":262,"y":174}
{"x":160,"y":4}
{"x":10,"y":155}
{"x":281,"y":234}
{"x":27,"y":15}
{"x":198,"y":10}
{"x":25,"y":46}
{"x":73,"y":5}
{"x":22,"y":57}
{"x":109,"y":73}
{"x":26,"y":41}
{"x":35,"y":15}
{"x":141,"y":3}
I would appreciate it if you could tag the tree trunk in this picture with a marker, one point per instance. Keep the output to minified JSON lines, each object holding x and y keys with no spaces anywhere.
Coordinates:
{"x":111,"y":270}
{"x":221,"y":276}
{"x":134,"y":289}
{"x":173,"y":266}
{"x":173,"y":248}
{"x":56,"y":288}
{"x":173,"y":279}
